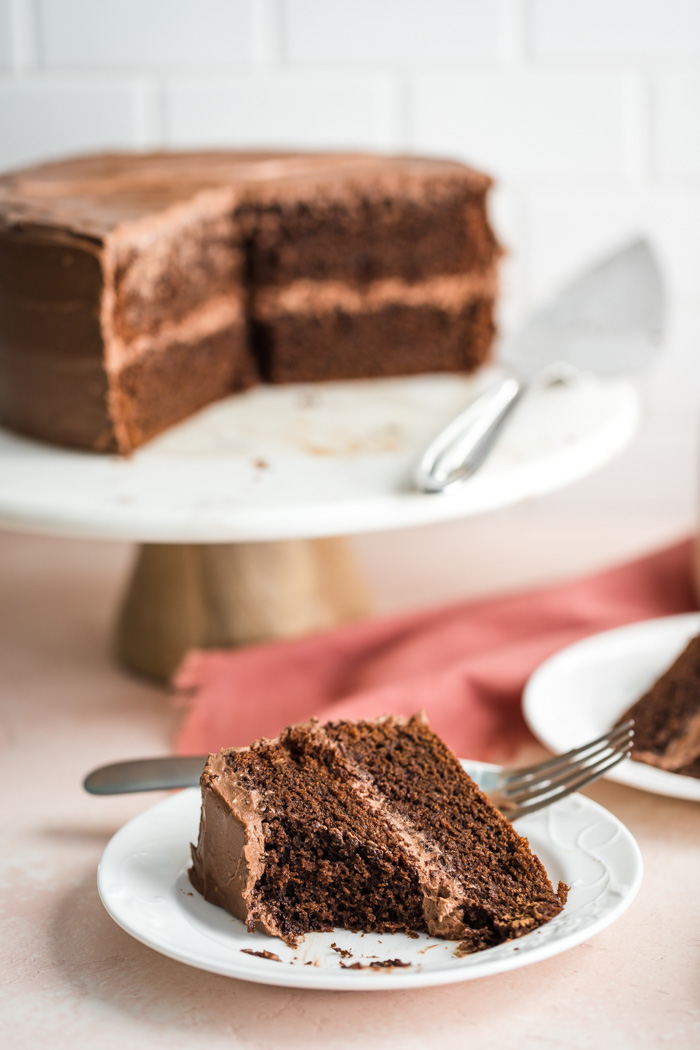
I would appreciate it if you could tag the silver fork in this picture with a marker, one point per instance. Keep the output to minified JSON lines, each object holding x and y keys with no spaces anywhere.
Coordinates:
{"x":515,"y":792}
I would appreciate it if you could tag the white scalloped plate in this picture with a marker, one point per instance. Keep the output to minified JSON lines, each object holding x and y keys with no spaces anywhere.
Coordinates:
{"x":142,"y":879}
{"x":580,"y":692}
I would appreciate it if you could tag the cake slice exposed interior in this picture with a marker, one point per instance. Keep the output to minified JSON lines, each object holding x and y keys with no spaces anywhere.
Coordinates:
{"x":368,"y":826}
{"x":667,"y":717}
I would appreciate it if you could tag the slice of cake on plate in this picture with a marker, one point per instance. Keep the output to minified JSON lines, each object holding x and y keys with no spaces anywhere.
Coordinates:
{"x":369,"y":826}
{"x":667,"y":717}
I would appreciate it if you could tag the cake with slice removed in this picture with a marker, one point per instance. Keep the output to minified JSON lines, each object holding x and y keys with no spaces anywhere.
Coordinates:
{"x":667,"y":717}
{"x":369,"y":826}
{"x":138,"y":288}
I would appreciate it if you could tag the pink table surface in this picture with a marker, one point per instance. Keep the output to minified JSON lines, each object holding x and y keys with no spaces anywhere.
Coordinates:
{"x":69,"y":977}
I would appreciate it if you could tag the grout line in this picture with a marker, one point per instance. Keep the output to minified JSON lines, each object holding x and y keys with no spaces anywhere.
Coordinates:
{"x":514,"y":33}
{"x":401,"y":129}
{"x":637,"y":127}
{"x":25,"y":34}
{"x":149,"y":129}
{"x":268,"y":35}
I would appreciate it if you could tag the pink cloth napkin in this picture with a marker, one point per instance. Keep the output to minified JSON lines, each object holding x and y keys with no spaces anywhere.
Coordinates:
{"x":465,"y":664}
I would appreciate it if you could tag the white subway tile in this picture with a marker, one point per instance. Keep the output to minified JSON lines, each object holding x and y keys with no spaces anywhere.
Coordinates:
{"x":614,"y":28}
{"x":51,"y":117}
{"x":145,"y":32}
{"x":531,"y":123}
{"x":305,"y":110}
{"x":677,"y":123}
{"x":569,"y":229}
{"x":6,"y":33}
{"x":390,"y":30}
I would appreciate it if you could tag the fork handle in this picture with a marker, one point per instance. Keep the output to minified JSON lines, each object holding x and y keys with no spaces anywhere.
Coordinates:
{"x":145,"y":774}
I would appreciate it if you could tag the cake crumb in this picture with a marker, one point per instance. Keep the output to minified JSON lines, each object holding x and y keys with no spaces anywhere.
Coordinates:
{"x":341,"y":951}
{"x":261,"y":464}
{"x":262,"y":955}
{"x":381,"y":964}
{"x":412,"y":934}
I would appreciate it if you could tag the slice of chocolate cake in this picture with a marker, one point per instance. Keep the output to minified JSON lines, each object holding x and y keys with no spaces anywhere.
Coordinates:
{"x":369,"y":826}
{"x":667,"y":717}
{"x":137,"y":288}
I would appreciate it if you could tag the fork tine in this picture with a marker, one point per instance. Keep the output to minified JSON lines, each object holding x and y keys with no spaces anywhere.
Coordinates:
{"x":551,"y":765}
{"x":565,"y":789}
{"x":525,"y":785}
{"x":535,"y":788}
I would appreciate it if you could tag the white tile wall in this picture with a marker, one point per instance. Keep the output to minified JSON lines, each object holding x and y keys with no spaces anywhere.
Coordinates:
{"x":6,"y":33}
{"x":50,"y":116}
{"x":155,"y":33}
{"x":528,"y":123}
{"x":615,"y":29}
{"x":330,"y":31}
{"x":676,"y":127}
{"x":309,"y":110}
{"x":586,"y":111}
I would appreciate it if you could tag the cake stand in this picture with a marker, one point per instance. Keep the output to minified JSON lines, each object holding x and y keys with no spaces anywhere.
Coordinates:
{"x":240,"y":511}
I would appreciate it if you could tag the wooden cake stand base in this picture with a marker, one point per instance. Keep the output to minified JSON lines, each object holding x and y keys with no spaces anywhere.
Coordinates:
{"x":199,"y":596}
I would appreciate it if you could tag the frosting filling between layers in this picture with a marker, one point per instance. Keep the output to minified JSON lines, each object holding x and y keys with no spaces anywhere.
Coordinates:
{"x":210,"y":317}
{"x":307,"y":296}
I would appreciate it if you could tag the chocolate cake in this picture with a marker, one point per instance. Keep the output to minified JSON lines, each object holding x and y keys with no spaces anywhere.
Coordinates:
{"x":369,"y":826}
{"x":137,"y":288}
{"x":667,"y":717}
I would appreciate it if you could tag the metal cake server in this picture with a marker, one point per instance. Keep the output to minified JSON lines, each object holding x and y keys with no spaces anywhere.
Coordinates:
{"x":609,"y":321}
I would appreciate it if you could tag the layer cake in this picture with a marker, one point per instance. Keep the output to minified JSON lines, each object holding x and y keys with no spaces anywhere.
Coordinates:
{"x":136,"y":288}
{"x":368,"y":826}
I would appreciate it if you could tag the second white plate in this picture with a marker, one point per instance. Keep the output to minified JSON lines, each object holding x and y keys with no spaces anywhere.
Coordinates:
{"x":581,"y":691}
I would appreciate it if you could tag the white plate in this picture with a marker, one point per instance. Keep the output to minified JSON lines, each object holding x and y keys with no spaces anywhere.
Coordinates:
{"x":580,"y":692}
{"x":143,"y":884}
{"x":297,"y":462}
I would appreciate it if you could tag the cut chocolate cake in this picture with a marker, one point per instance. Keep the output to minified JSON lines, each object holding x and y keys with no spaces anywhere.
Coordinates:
{"x":667,"y":717}
{"x":370,"y":826}
{"x":136,"y":288}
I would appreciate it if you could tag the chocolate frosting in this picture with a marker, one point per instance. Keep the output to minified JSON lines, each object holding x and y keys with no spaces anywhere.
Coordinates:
{"x":90,"y":196}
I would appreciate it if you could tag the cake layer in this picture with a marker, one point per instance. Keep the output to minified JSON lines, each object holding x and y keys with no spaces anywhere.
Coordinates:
{"x":370,"y":826}
{"x":394,"y":339}
{"x":167,"y":385}
{"x":417,"y":226}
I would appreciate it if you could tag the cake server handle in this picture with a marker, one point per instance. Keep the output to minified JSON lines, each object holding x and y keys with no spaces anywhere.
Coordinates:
{"x":462,"y":446}
{"x":146,"y":774}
